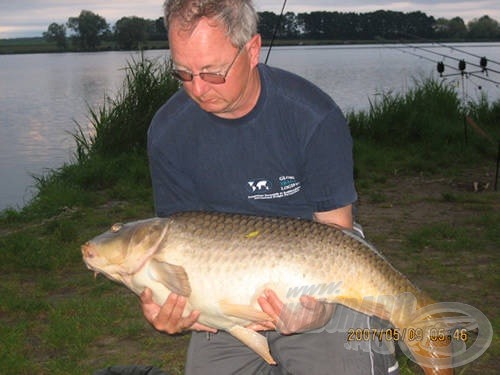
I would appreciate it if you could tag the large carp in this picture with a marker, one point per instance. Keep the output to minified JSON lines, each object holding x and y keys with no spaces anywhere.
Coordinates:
{"x":223,"y":262}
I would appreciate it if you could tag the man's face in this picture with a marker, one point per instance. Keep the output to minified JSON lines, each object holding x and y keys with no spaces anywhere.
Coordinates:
{"x":207,"y":49}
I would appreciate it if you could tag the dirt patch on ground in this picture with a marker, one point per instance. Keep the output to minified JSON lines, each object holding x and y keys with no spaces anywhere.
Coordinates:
{"x":406,"y":204}
{"x":410,"y":202}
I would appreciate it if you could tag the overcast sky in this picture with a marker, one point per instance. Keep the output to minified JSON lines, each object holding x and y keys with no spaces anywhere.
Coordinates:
{"x":21,"y":18}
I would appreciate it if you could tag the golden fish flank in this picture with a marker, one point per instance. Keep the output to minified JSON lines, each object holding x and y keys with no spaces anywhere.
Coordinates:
{"x":223,"y":262}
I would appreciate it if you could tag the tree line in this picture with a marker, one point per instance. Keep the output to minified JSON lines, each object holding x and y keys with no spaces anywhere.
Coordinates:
{"x":89,"y":30}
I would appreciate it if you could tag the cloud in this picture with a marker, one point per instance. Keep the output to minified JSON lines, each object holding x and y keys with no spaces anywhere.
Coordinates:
{"x":32,"y":17}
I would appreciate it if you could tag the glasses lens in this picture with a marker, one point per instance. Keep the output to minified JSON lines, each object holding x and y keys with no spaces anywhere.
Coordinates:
{"x":214,"y":78}
{"x":182,"y":75}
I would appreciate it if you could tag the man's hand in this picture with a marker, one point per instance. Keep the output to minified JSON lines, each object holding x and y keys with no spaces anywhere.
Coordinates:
{"x":168,"y":318}
{"x":309,"y":315}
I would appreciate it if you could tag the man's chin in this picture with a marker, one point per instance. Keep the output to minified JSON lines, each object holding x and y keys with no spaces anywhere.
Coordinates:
{"x":212,"y":106}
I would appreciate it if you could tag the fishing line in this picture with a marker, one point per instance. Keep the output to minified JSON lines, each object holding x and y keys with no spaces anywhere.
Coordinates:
{"x":452,"y":48}
{"x":276,"y":28}
{"x":483,"y":62}
{"x":441,"y":64}
{"x":497,"y":83}
{"x":460,"y":71}
{"x":467,"y":53}
{"x":400,"y":49}
{"x":481,"y":65}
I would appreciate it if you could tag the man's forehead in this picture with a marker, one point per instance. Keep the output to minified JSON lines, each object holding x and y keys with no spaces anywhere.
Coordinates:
{"x":184,"y":29}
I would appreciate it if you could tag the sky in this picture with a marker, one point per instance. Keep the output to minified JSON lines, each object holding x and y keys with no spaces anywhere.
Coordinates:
{"x":26,"y":18}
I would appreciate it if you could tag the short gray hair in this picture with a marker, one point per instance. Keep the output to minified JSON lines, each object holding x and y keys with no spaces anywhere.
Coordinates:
{"x":238,"y":16}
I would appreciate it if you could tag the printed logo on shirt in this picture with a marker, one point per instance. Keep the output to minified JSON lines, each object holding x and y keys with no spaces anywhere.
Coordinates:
{"x":263,"y":188}
{"x":259,"y":185}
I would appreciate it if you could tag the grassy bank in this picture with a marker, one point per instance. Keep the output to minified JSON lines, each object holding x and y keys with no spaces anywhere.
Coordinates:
{"x":40,"y":45}
{"x":416,"y":178}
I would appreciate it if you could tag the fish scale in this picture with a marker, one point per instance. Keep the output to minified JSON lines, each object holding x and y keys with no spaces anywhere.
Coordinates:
{"x":222,"y":263}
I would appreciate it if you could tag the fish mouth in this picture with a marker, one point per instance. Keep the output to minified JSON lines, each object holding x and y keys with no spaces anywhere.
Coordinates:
{"x":100,"y":265}
{"x":88,"y":254}
{"x":87,"y":251}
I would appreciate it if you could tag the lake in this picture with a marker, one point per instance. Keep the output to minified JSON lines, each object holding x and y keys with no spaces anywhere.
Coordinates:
{"x":42,"y":96}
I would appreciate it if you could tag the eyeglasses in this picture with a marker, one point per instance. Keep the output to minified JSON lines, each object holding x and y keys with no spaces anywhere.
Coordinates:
{"x":214,"y":78}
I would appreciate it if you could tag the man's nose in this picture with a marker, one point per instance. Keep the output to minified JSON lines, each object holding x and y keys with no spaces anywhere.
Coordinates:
{"x":199,"y":86}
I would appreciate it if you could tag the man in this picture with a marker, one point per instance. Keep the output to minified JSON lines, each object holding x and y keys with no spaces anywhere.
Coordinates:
{"x":246,"y":138}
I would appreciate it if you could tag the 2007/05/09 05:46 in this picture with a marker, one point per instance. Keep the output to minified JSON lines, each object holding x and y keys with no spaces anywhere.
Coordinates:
{"x":410,"y":334}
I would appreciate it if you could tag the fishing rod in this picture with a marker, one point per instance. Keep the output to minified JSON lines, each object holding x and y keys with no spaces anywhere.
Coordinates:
{"x":441,"y":65}
{"x":482,"y":63}
{"x":461,"y":70}
{"x":452,"y":48}
{"x":461,"y":67}
{"x":467,"y":53}
{"x":276,"y":28}
{"x":422,"y":57}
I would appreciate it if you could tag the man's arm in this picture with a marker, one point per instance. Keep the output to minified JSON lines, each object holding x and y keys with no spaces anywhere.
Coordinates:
{"x":341,"y":217}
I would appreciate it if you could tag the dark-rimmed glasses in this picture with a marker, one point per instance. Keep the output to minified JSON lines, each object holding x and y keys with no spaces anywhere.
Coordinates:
{"x":214,"y":78}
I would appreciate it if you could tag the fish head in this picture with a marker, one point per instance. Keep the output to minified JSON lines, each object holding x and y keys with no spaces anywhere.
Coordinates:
{"x":124,"y":248}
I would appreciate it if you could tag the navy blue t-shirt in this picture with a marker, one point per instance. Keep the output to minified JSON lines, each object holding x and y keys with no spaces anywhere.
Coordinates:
{"x":290,"y":156}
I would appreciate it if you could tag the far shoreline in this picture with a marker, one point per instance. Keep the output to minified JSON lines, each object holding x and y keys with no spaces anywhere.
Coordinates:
{"x":39,"y":45}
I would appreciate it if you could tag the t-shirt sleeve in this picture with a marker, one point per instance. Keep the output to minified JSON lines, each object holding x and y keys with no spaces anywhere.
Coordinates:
{"x":328,"y":164}
{"x":172,"y":188}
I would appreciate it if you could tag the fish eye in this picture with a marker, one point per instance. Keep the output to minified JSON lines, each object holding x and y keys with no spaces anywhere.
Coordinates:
{"x":116,"y":227}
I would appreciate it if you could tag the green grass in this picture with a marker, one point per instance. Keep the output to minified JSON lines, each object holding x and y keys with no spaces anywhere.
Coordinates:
{"x":423,"y":131}
{"x":56,"y":319}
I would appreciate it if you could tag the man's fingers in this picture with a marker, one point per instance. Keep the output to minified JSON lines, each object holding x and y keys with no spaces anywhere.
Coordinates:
{"x":189,"y":320}
{"x":310,"y":303}
{"x":261,"y":326}
{"x":273,"y":300}
{"x":268,"y":308}
{"x":202,"y":328}
{"x":146,"y":296}
{"x":168,"y":317}
{"x":176,"y":307}
{"x":149,"y":308}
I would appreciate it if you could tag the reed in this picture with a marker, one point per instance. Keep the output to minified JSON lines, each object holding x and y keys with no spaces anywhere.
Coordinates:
{"x":425,"y":129}
{"x":120,"y":125}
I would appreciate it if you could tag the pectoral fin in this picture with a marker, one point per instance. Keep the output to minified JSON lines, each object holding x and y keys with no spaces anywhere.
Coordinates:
{"x":246,"y":312}
{"x":254,"y":341}
{"x":173,"y":277}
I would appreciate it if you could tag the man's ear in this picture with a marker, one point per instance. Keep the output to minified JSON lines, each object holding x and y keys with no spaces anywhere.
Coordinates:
{"x":253,"y":49}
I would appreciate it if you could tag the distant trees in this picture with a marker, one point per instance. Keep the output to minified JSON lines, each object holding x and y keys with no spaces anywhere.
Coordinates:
{"x":88,"y":29}
{"x":133,"y":32}
{"x":484,"y":27}
{"x":156,"y":29}
{"x":268,"y":21}
{"x":130,"y":32}
{"x":56,"y":33}
{"x":454,"y":28}
{"x":381,"y":24}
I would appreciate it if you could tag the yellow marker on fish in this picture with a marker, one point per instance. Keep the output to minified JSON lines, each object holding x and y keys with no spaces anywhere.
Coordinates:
{"x":253,"y":234}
